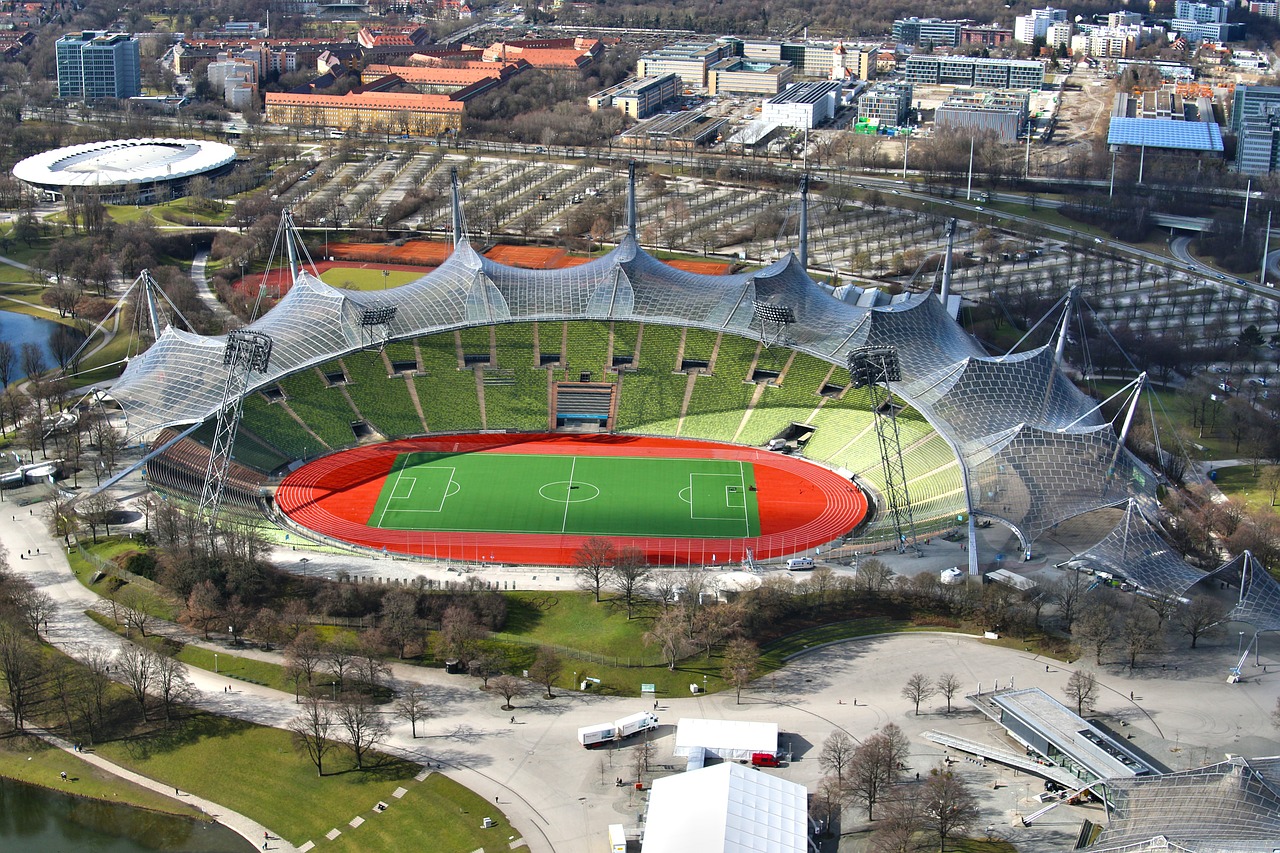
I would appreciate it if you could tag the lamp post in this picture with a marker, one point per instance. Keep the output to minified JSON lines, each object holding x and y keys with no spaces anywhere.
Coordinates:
{"x":1240,"y":646}
{"x":385,"y":273}
{"x":215,"y":663}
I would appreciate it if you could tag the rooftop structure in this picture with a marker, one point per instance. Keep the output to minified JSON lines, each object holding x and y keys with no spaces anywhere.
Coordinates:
{"x":687,"y":60}
{"x":728,"y":809}
{"x":444,"y":80}
{"x":1167,"y":70}
{"x":1165,"y":133}
{"x":126,"y":169}
{"x":1060,"y":735}
{"x":1233,"y":805}
{"x":547,"y":54}
{"x":727,"y":739}
{"x":804,"y":105}
{"x":1198,"y":31}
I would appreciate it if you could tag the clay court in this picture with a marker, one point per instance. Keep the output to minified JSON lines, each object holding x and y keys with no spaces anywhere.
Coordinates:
{"x":535,"y":499}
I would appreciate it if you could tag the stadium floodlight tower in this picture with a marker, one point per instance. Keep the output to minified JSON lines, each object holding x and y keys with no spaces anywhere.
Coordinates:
{"x":375,"y":322}
{"x":873,"y":367}
{"x":247,"y":352}
{"x":774,"y":320}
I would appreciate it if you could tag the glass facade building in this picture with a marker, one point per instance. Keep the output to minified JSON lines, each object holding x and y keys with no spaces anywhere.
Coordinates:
{"x":98,"y":64}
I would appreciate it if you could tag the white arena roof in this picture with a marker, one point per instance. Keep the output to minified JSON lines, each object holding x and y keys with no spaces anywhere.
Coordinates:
{"x":728,"y":739}
{"x":726,"y":808}
{"x":124,"y":162}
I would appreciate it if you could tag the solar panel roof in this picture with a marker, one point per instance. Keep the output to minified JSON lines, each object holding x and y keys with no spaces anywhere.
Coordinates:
{"x":1165,"y":133}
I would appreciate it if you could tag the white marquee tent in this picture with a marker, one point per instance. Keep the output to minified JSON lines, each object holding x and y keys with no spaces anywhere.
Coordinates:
{"x":727,"y":739}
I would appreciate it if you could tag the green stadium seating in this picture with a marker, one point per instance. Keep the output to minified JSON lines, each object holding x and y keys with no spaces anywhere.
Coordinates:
{"x":588,"y":352}
{"x":795,"y":399}
{"x":384,"y":401}
{"x":515,"y":395}
{"x":653,"y":392}
{"x":323,"y":408}
{"x":273,"y":424}
{"x":447,"y":394}
{"x":720,"y":400}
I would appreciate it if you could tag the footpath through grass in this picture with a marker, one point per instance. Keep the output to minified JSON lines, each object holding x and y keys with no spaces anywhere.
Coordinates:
{"x":29,"y":759}
{"x":255,"y":771}
{"x":1239,"y":482}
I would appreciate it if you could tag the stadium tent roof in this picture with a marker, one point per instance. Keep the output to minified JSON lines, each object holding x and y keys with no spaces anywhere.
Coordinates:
{"x":1229,"y":807}
{"x":727,"y":808}
{"x":123,"y":162}
{"x":1165,"y":133}
{"x":1033,"y":453}
{"x":728,"y":739}
{"x":1134,"y":550}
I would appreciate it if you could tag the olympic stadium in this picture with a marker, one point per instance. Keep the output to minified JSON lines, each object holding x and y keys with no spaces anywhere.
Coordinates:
{"x":132,"y":171}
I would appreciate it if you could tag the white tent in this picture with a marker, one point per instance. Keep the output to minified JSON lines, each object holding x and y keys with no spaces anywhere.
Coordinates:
{"x":726,"y":808}
{"x":727,"y":739}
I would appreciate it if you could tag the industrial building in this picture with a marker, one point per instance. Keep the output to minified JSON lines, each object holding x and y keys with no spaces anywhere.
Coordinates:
{"x":748,"y":76}
{"x":687,"y":60}
{"x":96,"y":64}
{"x":638,"y":98}
{"x":803,"y":106}
{"x":886,"y":103}
{"x":1003,"y":113}
{"x":976,"y":72}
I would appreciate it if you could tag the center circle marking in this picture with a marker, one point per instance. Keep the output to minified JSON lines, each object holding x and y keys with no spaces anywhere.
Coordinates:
{"x":560,"y":492}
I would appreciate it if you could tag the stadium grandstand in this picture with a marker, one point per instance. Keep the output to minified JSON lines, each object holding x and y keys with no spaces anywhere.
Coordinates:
{"x":628,"y":345}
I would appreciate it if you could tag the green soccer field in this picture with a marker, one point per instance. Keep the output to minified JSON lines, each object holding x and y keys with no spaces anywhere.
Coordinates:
{"x":581,"y":495}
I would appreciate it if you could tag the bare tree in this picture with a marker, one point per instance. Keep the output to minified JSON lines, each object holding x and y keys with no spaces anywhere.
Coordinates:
{"x":546,"y":668}
{"x":412,"y":706}
{"x":1203,"y":616}
{"x":899,"y":826}
{"x":363,"y":723}
{"x":873,"y":769}
{"x":828,"y":801}
{"x":628,"y":577}
{"x":669,"y":634}
{"x":172,"y":686}
{"x":508,"y":687}
{"x":947,"y":805}
{"x":7,"y":360}
{"x":203,"y":609}
{"x":302,"y":659}
{"x":460,"y":633}
{"x":136,"y":665}
{"x":947,"y":686}
{"x":642,"y":755}
{"x":312,"y":731}
{"x":1082,"y":688}
{"x":874,"y":576}
{"x":591,"y":564}
{"x":917,"y":689}
{"x":340,"y":659}
{"x":134,"y":607}
{"x":1095,"y":630}
{"x":837,"y":754}
{"x":35,"y":605}
{"x":21,"y":666}
{"x":399,"y":620}
{"x":741,"y":665}
{"x":1140,"y":634}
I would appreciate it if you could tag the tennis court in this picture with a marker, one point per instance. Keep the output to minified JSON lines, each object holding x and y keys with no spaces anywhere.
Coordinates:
{"x":569,"y":494}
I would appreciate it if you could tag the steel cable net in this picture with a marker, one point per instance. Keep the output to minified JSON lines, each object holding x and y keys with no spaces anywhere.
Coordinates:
{"x":998,"y":414}
{"x":1135,"y":550}
{"x":1229,"y":807}
{"x":1033,"y":478}
{"x":1259,"y":603}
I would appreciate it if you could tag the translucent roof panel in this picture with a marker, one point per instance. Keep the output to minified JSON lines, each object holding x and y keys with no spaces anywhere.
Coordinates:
{"x":1165,"y":133}
{"x":1231,"y":806}
{"x":1259,"y":603}
{"x":1134,"y":550}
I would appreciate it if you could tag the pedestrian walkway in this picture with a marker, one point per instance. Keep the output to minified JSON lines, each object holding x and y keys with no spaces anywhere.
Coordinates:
{"x":245,"y":827}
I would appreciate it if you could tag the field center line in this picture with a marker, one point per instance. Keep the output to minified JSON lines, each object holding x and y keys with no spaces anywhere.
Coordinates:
{"x":445,"y":496}
{"x":564,"y":522}
{"x":691,"y":497}
{"x":394,"y":486}
{"x":746,"y":515}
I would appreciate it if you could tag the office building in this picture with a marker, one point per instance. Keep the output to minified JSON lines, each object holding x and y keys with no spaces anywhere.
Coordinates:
{"x":990,"y":35}
{"x":687,"y":60}
{"x":638,"y":98}
{"x":886,"y":103}
{"x":1258,"y":143}
{"x":803,"y":106}
{"x":1028,"y":28}
{"x":1253,"y":101}
{"x":748,"y":76}
{"x":1003,"y":113}
{"x":975,"y":72}
{"x":1201,"y":11}
{"x":928,"y":32}
{"x":97,"y":64}
{"x":1198,"y":31}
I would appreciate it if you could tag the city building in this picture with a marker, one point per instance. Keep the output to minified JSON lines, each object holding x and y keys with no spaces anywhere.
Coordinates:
{"x":1252,"y":102}
{"x":638,"y":98}
{"x":748,"y":76}
{"x":1165,"y":135}
{"x":126,"y":171}
{"x":816,"y":59}
{"x":1198,"y":31}
{"x":687,"y":60}
{"x":1058,"y":36}
{"x":991,"y":35}
{"x":1201,"y":11}
{"x":390,"y":112}
{"x":237,"y":79}
{"x":1028,"y":28}
{"x":1124,"y":19}
{"x":975,"y":72}
{"x":1106,"y":42}
{"x":1177,"y":71}
{"x":447,"y":79}
{"x":97,"y":64}
{"x":567,"y":54}
{"x":886,"y":103}
{"x":929,"y":32}
{"x":1003,"y":113}
{"x":804,"y":105}
{"x":1258,"y":143}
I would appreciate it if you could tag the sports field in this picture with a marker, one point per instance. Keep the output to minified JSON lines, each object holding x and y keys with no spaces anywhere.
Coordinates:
{"x":589,"y":495}
{"x":534,"y":499}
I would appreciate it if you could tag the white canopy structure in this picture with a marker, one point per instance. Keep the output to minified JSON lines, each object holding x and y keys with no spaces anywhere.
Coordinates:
{"x":727,"y":808}
{"x":727,"y":739}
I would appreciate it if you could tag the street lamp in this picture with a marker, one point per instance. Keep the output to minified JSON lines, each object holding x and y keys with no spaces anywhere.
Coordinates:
{"x":385,"y":273}
{"x":215,"y":663}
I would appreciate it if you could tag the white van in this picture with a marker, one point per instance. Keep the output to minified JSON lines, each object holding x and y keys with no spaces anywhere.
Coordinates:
{"x":776,"y":444}
{"x":800,"y":564}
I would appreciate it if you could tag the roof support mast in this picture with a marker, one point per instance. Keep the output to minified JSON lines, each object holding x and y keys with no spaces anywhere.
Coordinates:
{"x":804,"y":221}
{"x":945,"y":295}
{"x":631,"y":200}
{"x":455,"y":201}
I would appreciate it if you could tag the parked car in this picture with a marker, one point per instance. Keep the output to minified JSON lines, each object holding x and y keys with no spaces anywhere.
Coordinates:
{"x":764,"y":759}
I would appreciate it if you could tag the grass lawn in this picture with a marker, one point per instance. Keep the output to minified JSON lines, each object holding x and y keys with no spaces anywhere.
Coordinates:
{"x":154,"y":598}
{"x":437,"y":814}
{"x":1239,"y":482}
{"x":255,"y":770}
{"x":237,"y":668}
{"x":349,"y":278}
{"x":774,"y":654}
{"x":30,"y":759}
{"x":573,"y":619}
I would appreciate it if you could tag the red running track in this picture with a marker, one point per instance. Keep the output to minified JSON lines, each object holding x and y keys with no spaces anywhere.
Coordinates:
{"x":802,"y":505}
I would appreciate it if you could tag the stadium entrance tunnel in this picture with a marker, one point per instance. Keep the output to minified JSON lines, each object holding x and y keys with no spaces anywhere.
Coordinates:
{"x":535,"y":499}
